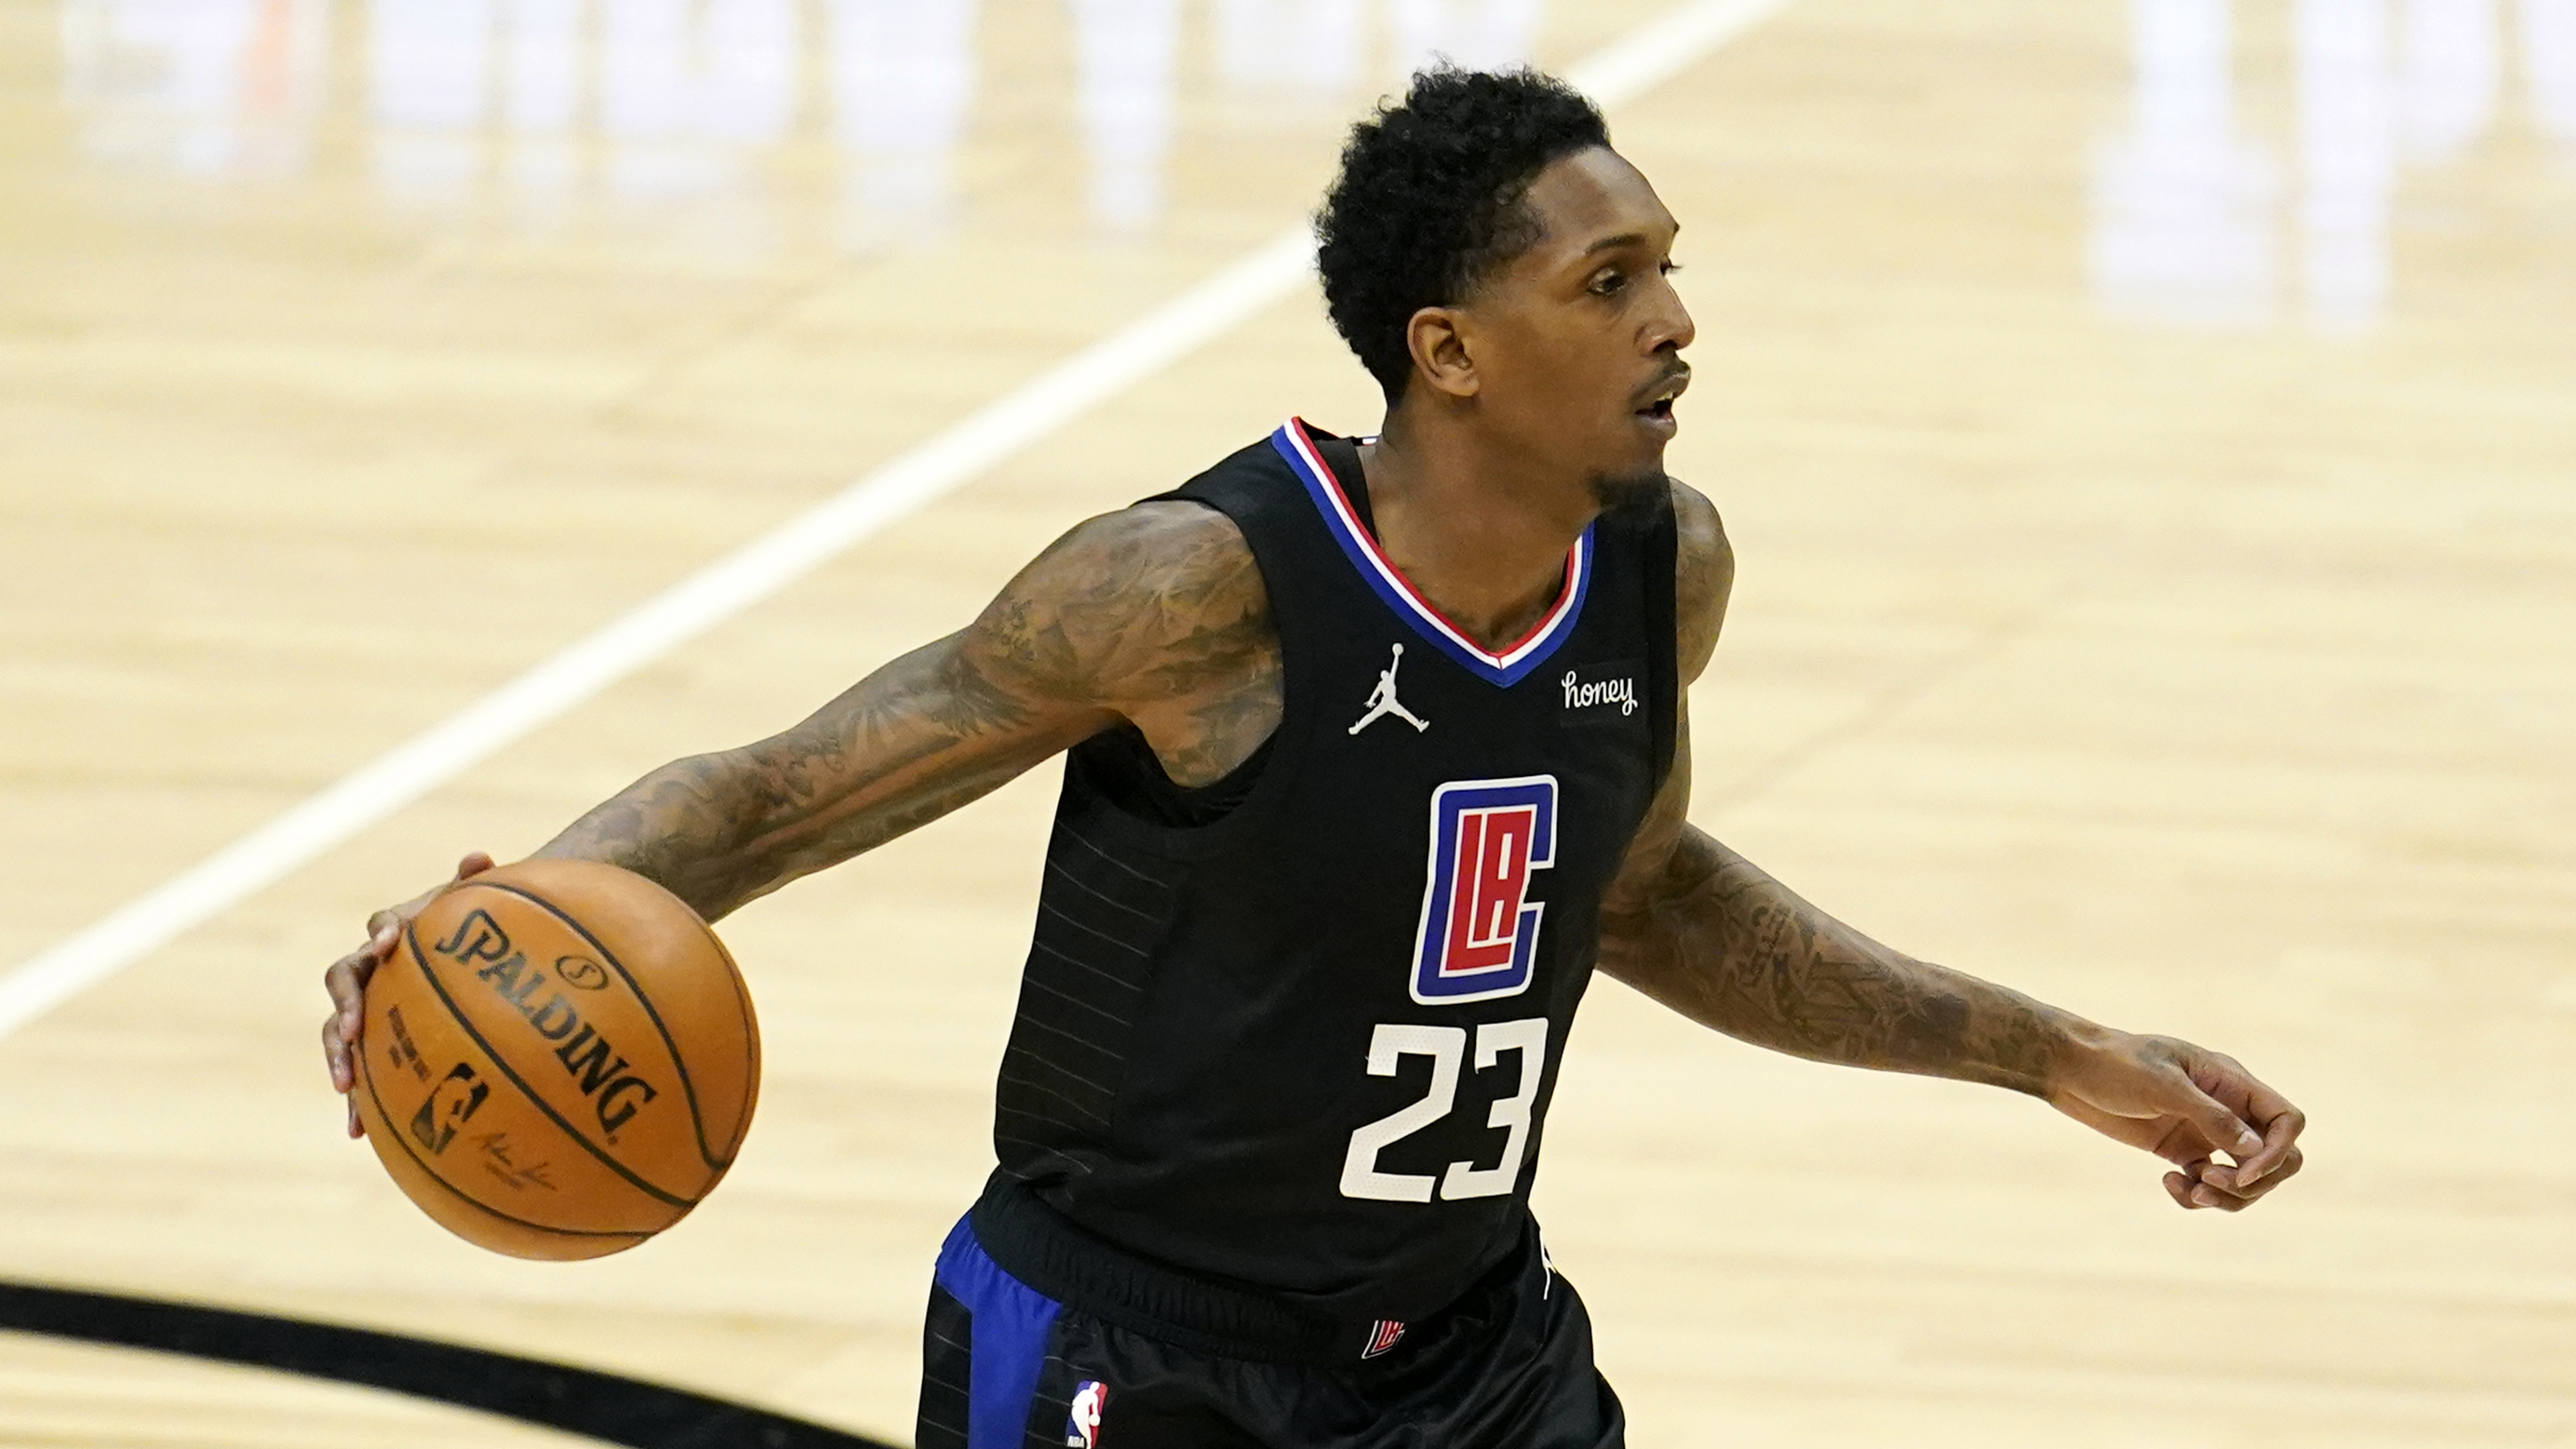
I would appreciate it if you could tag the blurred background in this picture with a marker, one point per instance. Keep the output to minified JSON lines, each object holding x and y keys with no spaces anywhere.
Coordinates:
{"x":2147,"y":429}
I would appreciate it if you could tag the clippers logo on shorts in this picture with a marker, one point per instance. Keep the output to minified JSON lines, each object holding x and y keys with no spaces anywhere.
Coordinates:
{"x":1382,"y":1336}
{"x":1479,"y":934}
{"x":1082,"y":1426}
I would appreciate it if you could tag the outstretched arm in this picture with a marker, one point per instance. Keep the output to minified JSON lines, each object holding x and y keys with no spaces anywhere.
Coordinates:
{"x":1154,"y":615}
{"x":1697,"y":927}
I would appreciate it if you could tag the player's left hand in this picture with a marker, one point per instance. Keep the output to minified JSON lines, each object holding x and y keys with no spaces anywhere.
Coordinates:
{"x":2186,"y":1105}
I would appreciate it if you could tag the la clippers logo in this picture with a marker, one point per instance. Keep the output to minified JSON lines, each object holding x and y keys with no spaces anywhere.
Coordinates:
{"x":1383,"y":1335}
{"x":1479,"y":932}
{"x":1082,"y":1426}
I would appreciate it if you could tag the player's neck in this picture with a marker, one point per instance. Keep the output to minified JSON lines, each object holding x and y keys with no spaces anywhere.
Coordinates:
{"x":1471,"y":527}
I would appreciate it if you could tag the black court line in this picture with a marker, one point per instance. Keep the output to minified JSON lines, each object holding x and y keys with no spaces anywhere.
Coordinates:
{"x":600,"y":1406}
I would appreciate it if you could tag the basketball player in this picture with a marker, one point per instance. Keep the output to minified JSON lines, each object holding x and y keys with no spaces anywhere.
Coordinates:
{"x":1377,"y":749}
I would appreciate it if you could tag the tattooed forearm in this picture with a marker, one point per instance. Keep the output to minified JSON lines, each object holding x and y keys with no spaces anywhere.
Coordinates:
{"x":1726,"y":945}
{"x":1697,"y":927}
{"x":1155,"y":615}
{"x":908,"y":744}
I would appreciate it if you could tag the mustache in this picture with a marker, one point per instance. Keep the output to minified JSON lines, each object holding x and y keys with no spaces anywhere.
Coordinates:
{"x":1679,"y":372}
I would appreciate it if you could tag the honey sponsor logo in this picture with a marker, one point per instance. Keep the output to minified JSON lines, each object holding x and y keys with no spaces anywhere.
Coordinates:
{"x":1600,"y":694}
{"x":1583,"y":693}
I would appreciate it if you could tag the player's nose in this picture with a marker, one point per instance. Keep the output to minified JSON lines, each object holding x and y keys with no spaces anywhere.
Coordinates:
{"x":1675,"y":330}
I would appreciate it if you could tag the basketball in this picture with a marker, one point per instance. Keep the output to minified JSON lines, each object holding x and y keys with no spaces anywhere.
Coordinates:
{"x":559,"y":1060}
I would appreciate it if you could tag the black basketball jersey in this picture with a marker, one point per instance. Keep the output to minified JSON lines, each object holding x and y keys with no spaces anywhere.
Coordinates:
{"x":1308,"y":1047}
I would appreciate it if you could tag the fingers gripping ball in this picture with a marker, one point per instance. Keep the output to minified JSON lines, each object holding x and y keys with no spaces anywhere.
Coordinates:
{"x":559,"y":1060}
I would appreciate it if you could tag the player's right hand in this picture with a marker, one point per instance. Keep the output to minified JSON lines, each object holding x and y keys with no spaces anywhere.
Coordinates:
{"x":346,"y":980}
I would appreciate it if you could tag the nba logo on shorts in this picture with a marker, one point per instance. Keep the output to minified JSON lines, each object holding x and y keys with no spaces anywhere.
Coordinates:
{"x":1082,"y":1426}
{"x":1479,"y":931}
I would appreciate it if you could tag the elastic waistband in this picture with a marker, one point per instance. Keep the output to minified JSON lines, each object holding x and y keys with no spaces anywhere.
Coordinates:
{"x":1039,"y":1246}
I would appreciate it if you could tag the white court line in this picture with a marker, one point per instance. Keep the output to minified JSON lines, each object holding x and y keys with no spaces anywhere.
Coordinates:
{"x":1639,"y":61}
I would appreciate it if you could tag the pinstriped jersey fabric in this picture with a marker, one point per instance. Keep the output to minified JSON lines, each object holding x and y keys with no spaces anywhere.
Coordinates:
{"x":1308,"y":1046}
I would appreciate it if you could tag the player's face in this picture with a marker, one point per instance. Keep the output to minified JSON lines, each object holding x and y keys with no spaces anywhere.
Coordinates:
{"x":1579,"y":339}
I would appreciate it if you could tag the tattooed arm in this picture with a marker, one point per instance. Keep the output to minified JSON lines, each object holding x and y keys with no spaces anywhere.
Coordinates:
{"x":1154,"y":615}
{"x":1699,"y":928}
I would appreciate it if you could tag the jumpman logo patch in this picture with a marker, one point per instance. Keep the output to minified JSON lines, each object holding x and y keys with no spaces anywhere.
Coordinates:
{"x":1382,"y":701}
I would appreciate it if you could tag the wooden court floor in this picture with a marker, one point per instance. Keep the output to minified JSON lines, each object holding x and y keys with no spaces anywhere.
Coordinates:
{"x":2147,"y":428}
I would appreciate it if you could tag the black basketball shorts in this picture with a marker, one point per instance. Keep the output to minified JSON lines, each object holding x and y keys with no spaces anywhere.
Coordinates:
{"x":1508,"y":1366}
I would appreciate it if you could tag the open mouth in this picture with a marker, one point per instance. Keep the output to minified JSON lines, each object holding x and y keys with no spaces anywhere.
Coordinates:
{"x":1659,"y":409}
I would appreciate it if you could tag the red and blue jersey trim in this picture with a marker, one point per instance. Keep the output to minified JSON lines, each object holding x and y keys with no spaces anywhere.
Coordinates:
{"x":1506,"y":668}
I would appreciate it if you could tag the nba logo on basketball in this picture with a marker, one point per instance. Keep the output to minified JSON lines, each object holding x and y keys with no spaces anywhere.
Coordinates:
{"x":1082,"y":1426}
{"x":1479,"y":932}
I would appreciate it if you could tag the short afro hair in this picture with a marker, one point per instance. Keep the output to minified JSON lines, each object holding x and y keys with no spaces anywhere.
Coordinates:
{"x":1432,"y":197}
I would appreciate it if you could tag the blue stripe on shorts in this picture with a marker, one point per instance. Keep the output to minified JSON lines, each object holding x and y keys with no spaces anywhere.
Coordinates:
{"x":1010,"y":1322}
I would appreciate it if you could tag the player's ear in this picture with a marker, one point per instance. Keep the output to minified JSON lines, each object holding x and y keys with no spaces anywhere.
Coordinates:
{"x":1439,"y":345}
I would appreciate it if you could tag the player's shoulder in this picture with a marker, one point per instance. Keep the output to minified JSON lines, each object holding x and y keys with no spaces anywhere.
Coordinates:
{"x":1162,"y":546}
{"x":1703,"y":575}
{"x":1164,"y":559}
{"x":1700,"y":531}
{"x":1103,"y":613}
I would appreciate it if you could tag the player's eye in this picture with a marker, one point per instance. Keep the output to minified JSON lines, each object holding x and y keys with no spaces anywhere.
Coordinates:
{"x":1608,"y":282}
{"x":1669,"y":266}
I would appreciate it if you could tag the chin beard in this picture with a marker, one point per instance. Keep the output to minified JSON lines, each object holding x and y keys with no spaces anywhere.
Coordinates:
{"x":1630,"y":492}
